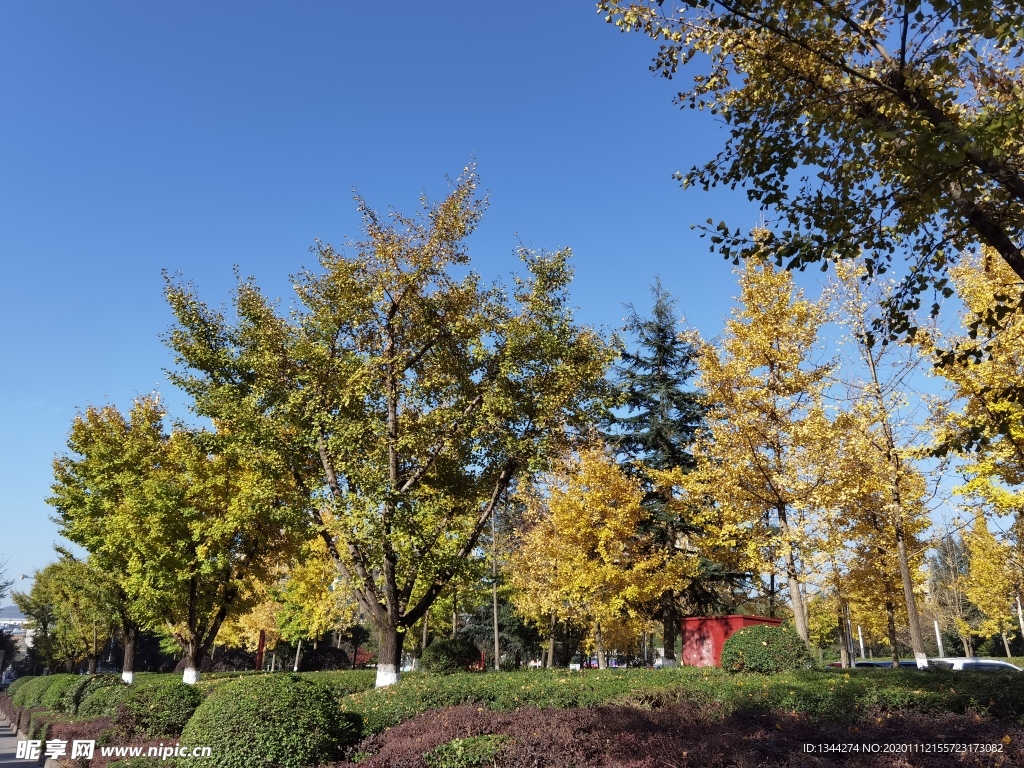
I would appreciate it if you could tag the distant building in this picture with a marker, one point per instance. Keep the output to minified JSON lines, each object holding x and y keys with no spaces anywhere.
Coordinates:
{"x":13,"y":620}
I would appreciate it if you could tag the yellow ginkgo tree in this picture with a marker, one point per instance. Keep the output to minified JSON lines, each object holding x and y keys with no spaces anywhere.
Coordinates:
{"x":581,"y":557}
{"x":856,"y":545}
{"x":991,"y":587}
{"x":984,"y":423}
{"x":879,"y":439}
{"x":764,"y":456}
{"x":983,"y":368}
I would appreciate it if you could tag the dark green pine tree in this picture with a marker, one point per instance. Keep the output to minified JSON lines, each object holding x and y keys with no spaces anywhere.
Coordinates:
{"x":659,"y":416}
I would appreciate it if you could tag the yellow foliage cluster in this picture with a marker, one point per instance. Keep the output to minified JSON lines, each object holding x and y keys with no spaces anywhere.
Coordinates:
{"x":583,"y":556}
{"x":994,"y":577}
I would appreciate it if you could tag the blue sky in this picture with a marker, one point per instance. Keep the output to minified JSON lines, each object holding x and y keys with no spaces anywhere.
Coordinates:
{"x":193,"y":137}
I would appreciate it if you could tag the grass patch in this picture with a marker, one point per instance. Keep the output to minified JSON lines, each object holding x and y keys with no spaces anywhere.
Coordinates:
{"x":467,"y":753}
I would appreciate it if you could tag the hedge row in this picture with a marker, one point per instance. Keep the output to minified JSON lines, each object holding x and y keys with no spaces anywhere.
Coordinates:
{"x":307,"y":719}
{"x":834,"y":694}
{"x":282,"y":720}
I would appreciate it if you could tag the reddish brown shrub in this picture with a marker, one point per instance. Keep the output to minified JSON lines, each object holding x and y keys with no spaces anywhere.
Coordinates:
{"x":42,"y":720}
{"x":679,"y":736}
{"x":104,"y":732}
{"x":97,"y":729}
{"x":7,"y":708}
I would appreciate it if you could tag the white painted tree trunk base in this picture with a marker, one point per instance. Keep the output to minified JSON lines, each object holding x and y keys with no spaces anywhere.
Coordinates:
{"x":386,"y":675}
{"x":191,"y":676}
{"x":128,"y":677}
{"x":669,"y":663}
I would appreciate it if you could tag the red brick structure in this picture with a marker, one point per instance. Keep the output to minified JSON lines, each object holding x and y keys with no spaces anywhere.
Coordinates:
{"x":704,"y":636}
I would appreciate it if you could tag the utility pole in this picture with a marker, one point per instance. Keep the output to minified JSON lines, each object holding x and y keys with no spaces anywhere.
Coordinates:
{"x":494,"y":587}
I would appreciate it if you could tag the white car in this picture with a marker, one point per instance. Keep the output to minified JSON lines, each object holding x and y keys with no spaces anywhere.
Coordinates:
{"x":973,"y":664}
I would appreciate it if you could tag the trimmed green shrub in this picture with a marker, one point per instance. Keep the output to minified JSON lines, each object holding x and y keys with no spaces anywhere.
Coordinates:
{"x":344,"y":683}
{"x":445,"y":657}
{"x":54,"y":695}
{"x":157,"y":711}
{"x":13,"y":687}
{"x":842,"y":695}
{"x":765,"y":649}
{"x":467,"y":753}
{"x":505,"y":691}
{"x":102,"y":700}
{"x":281,"y":720}
{"x":85,"y":685}
{"x":31,"y":693}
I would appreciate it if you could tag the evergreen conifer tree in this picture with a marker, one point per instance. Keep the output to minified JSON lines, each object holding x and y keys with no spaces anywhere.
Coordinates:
{"x":660,"y":415}
{"x":658,"y":420}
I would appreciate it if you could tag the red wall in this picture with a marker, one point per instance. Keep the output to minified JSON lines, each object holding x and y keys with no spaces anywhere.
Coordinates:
{"x":704,"y":636}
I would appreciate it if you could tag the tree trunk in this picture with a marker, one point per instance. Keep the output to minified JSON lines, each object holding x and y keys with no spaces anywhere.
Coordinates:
{"x":494,"y":589}
{"x":793,"y":578}
{"x":131,"y":637}
{"x":599,"y":642}
{"x":890,"y":614}
{"x":191,"y":674}
{"x":669,"y":627}
{"x":198,"y":639}
{"x":844,"y":643}
{"x":195,"y":652}
{"x":968,"y":644}
{"x":1020,"y":617}
{"x":916,"y":638}
{"x":849,"y":635}
{"x":261,"y":650}
{"x":551,"y":644}
{"x":298,"y":651}
{"x":389,"y":656}
{"x":1006,"y":644}
{"x":497,"y":643}
{"x":896,"y":498}
{"x":426,"y":630}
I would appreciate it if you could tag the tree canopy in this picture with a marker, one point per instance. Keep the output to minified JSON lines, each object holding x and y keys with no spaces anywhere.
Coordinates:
{"x":583,"y":555}
{"x":404,"y":393}
{"x":870,"y":127}
{"x":765,"y":458}
{"x":660,"y":410}
{"x":185,"y":519}
{"x":70,"y":612}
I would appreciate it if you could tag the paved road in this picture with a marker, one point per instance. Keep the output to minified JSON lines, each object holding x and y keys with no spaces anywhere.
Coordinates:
{"x":8,"y":746}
